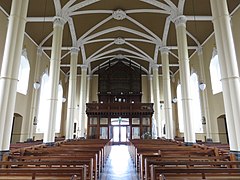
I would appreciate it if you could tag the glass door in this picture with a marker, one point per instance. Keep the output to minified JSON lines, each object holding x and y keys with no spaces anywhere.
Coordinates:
{"x":120,"y":130}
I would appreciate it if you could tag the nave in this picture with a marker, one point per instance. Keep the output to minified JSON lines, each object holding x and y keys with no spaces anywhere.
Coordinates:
{"x":89,"y":159}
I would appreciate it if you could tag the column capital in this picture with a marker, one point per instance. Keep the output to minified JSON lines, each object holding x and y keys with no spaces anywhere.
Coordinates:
{"x":150,"y":76}
{"x":74,"y":50}
{"x":89,"y":76}
{"x":180,"y":20}
{"x":39,"y":51}
{"x":164,"y":49}
{"x":83,"y":66}
{"x":58,"y":21}
{"x":155,"y":66}
{"x":200,"y":50}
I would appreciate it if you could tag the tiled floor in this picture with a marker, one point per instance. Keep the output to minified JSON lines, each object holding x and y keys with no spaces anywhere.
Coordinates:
{"x":119,"y":165}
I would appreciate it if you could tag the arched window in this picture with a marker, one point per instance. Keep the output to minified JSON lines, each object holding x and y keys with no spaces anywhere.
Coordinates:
{"x":59,"y":109}
{"x":215,"y":73}
{"x":196,"y":106}
{"x":43,"y":111}
{"x":23,"y":75}
{"x":180,"y":109}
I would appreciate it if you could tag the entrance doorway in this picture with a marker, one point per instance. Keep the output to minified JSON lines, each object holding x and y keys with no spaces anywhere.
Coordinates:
{"x":120,"y":130}
{"x":16,"y":128}
{"x":222,"y":129}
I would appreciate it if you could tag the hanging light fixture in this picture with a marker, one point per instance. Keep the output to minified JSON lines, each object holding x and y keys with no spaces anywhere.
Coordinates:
{"x":202,"y":86}
{"x":174,"y":100}
{"x":36,"y":85}
{"x":64,"y":99}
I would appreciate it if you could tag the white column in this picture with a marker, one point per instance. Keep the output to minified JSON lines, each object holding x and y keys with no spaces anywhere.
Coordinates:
{"x":184,"y":69}
{"x":204,"y":96}
{"x":150,"y":88}
{"x":71,"y":106}
{"x":58,"y":25}
{"x":156,"y":99}
{"x":229,"y":70}
{"x":89,"y":77}
{"x":167,"y":93}
{"x":82,"y":105}
{"x":10,"y":69}
{"x":34,"y":103}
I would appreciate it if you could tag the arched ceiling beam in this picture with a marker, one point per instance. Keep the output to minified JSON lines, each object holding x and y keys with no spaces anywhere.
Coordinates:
{"x":174,"y":55}
{"x":119,"y":28}
{"x":91,"y":12}
{"x":113,"y":58}
{"x":57,"y":5}
{"x":158,"y":4}
{"x":50,"y":19}
{"x":144,"y":28}
{"x":181,"y":4}
{"x":65,"y":54}
{"x":68,"y":4}
{"x":72,"y":32}
{"x":45,"y":39}
{"x":171,"y":4}
{"x":118,"y":49}
{"x":101,"y":49}
{"x":166,"y":30}
{"x":193,"y":38}
{"x":139,"y":50}
{"x":126,"y":39}
{"x":100,"y":40}
{"x":136,"y":57}
{"x":104,"y":57}
{"x":93,"y":28}
{"x":132,"y":11}
{"x":115,"y":50}
{"x":81,"y":5}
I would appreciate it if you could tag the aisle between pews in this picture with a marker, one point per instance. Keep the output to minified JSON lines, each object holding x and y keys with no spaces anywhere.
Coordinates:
{"x":119,"y":165}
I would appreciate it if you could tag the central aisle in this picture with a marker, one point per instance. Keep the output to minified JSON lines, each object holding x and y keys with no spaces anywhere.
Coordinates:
{"x":119,"y":165}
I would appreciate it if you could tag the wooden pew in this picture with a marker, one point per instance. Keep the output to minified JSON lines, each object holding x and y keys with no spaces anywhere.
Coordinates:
{"x":185,"y":169}
{"x":162,"y":150}
{"x":82,"y":150}
{"x":47,"y":170}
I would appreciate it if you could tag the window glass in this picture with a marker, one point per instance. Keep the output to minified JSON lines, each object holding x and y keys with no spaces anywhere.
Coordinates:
{"x":59,"y":109}
{"x":23,"y":75}
{"x":215,"y":73}
{"x":180,"y":110}
{"x":43,"y":111}
{"x":196,"y":105}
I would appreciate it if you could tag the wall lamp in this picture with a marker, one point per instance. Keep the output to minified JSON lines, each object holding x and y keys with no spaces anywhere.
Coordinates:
{"x":202,"y":86}
{"x":36,"y":85}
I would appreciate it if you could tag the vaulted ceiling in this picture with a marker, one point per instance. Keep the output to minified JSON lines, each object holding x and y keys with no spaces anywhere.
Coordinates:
{"x":106,"y":30}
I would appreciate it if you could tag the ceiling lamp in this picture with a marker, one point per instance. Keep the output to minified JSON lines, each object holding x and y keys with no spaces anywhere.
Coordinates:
{"x":64,"y":99}
{"x":174,"y":100}
{"x":202,"y":86}
{"x":36,"y":85}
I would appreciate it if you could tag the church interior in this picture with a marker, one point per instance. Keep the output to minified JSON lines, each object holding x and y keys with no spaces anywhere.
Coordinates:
{"x":119,"y":89}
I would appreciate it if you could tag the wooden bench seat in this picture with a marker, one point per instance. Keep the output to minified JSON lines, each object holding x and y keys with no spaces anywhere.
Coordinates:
{"x":193,"y":172}
{"x":33,"y":173}
{"x":88,"y":153}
